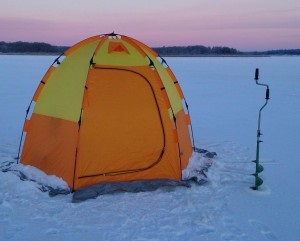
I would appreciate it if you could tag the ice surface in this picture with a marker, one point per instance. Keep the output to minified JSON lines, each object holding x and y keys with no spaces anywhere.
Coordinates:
{"x":223,"y":101}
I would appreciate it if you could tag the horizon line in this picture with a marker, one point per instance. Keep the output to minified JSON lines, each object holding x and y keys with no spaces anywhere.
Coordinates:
{"x":169,"y":46}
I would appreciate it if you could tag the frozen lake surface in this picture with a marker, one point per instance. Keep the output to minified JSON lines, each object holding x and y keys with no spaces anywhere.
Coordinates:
{"x":224,"y":102}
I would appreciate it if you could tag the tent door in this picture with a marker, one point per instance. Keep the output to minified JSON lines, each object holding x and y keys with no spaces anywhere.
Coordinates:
{"x":121,"y":126}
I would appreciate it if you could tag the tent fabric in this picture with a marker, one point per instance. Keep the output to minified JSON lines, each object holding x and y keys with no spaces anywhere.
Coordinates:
{"x":108,"y":110}
{"x":95,"y":190}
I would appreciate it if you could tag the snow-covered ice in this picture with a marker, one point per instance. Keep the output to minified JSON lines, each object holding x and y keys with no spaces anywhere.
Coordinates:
{"x":224,"y":102}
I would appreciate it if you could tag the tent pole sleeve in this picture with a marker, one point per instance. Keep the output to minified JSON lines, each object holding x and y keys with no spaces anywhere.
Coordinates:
{"x":22,"y":133}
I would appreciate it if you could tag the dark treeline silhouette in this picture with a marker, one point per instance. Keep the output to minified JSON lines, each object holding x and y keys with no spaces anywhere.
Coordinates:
{"x":275,"y":52}
{"x":196,"y":50}
{"x":25,"y":47}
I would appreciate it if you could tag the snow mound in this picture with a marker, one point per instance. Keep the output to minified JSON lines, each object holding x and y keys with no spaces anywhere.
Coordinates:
{"x":198,"y":165}
{"x":46,"y":183}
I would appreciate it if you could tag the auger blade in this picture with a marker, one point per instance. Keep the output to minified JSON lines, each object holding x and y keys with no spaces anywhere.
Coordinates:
{"x":259,"y":168}
{"x":258,"y":182}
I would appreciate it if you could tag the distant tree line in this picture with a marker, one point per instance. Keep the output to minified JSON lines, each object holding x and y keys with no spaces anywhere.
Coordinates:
{"x":195,"y":50}
{"x":275,"y":52}
{"x":199,"y":50}
{"x":25,"y":47}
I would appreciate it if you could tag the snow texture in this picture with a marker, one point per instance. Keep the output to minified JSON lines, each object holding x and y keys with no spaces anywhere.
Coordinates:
{"x":224,"y":102}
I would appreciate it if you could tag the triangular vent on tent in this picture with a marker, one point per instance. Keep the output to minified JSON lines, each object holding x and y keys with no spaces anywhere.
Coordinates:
{"x":117,"y":47}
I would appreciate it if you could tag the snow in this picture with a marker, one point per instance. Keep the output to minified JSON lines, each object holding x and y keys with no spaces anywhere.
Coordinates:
{"x":223,"y":102}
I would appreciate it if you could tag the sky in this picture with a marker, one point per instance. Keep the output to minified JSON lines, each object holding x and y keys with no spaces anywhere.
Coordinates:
{"x":247,"y":25}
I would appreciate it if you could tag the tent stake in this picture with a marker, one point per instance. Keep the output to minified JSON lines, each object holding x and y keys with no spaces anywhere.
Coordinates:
{"x":258,"y":167}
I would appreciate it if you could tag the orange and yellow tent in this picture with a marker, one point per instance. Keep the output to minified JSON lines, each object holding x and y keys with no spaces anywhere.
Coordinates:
{"x":108,"y":110}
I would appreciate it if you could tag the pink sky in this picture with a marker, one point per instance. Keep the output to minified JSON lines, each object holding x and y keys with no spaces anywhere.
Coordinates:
{"x":242,"y":24}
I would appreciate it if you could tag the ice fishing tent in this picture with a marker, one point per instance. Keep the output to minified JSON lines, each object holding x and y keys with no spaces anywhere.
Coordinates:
{"x":108,"y":110}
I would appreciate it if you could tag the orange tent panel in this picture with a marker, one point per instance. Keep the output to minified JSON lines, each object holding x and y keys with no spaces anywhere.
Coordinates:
{"x":51,"y":146}
{"x":122,"y":128}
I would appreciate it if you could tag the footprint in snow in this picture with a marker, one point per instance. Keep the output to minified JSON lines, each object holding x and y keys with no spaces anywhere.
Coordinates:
{"x":263,"y":229}
{"x":233,"y":232}
{"x":233,"y":237}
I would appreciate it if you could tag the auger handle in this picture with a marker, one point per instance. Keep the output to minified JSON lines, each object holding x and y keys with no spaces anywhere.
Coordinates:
{"x":256,"y":74}
{"x":256,"y":77}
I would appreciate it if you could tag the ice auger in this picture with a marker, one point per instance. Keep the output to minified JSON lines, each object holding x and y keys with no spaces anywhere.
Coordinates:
{"x":258,"y":167}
